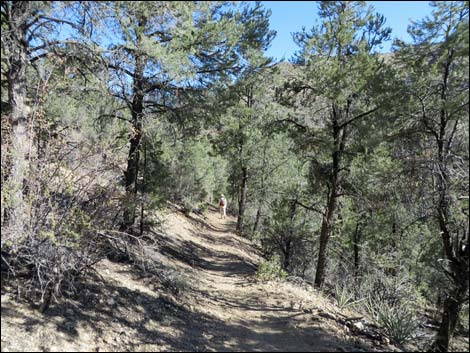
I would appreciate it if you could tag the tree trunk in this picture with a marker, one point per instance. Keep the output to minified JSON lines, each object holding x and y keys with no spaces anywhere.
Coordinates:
{"x":456,"y":252}
{"x":452,"y":305}
{"x":356,"y":241}
{"x":135,"y":146}
{"x":132,"y":172}
{"x":288,"y":242}
{"x":339,"y":137}
{"x":242,"y":200}
{"x":324,"y":237}
{"x":244,"y":176}
{"x":22,"y":135}
{"x":287,"y":254}
{"x":142,"y":201}
{"x":257,"y":219}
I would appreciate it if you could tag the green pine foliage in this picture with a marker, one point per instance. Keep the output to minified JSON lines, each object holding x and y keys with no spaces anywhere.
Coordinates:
{"x":344,"y":166}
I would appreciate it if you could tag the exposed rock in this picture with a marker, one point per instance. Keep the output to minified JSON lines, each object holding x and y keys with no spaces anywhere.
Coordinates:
{"x":111,"y":302}
{"x":5,"y":298}
{"x":359,"y":325}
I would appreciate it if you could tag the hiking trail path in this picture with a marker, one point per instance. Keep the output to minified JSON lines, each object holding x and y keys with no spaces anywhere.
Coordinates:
{"x":215,"y":302}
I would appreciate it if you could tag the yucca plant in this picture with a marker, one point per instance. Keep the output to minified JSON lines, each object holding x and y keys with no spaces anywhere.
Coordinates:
{"x":399,"y":322}
{"x":344,"y":297}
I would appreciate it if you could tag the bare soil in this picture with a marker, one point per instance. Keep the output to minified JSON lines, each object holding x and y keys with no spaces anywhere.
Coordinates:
{"x":209,"y":300}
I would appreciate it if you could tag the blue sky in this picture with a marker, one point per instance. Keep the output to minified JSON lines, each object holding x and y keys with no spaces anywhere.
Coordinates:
{"x":289,"y":16}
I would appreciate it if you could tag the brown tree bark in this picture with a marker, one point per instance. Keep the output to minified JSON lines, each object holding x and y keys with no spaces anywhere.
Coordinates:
{"x":143,"y":186}
{"x":131,"y":173}
{"x":450,"y":314}
{"x":244,"y":170}
{"x":287,"y":241}
{"x":356,"y":242}
{"x":242,"y":199}
{"x":339,"y":138}
{"x":287,"y":253}
{"x":324,"y":237}
{"x":457,"y":255}
{"x":257,"y":219}
{"x":21,"y":135}
{"x":456,"y":250}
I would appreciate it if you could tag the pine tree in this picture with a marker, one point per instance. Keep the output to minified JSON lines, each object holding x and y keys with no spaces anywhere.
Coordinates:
{"x":169,"y":50}
{"x":435,"y":74}
{"x":28,"y":35}
{"x":340,"y":81}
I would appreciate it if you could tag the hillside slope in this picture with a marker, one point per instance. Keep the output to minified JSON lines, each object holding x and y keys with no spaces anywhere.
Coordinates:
{"x":207,"y":299}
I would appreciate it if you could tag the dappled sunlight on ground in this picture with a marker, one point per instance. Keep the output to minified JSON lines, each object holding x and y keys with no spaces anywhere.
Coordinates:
{"x":213,"y":302}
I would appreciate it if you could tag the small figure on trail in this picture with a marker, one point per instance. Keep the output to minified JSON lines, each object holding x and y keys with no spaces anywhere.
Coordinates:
{"x":223,"y":206}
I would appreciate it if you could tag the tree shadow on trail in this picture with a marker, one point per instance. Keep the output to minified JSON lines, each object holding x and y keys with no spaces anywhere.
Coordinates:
{"x":196,"y":255}
{"x":135,"y":321}
{"x":229,"y":225}
{"x":223,"y":236}
{"x":123,"y":318}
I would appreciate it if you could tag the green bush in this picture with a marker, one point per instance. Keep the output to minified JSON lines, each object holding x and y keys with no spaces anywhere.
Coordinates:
{"x":186,"y":169}
{"x":271,"y":270}
{"x":188,"y":206}
{"x":203,"y":207}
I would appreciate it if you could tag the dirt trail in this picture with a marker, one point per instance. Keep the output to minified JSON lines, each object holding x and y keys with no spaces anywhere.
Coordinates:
{"x":214,"y":303}
{"x":248,"y":315}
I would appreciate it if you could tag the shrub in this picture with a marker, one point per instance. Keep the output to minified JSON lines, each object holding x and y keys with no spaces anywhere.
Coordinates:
{"x":287,"y":233}
{"x":398,"y":321}
{"x":66,"y":200}
{"x":345,"y":297}
{"x":188,"y":206}
{"x":203,"y":207}
{"x":271,"y":270}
